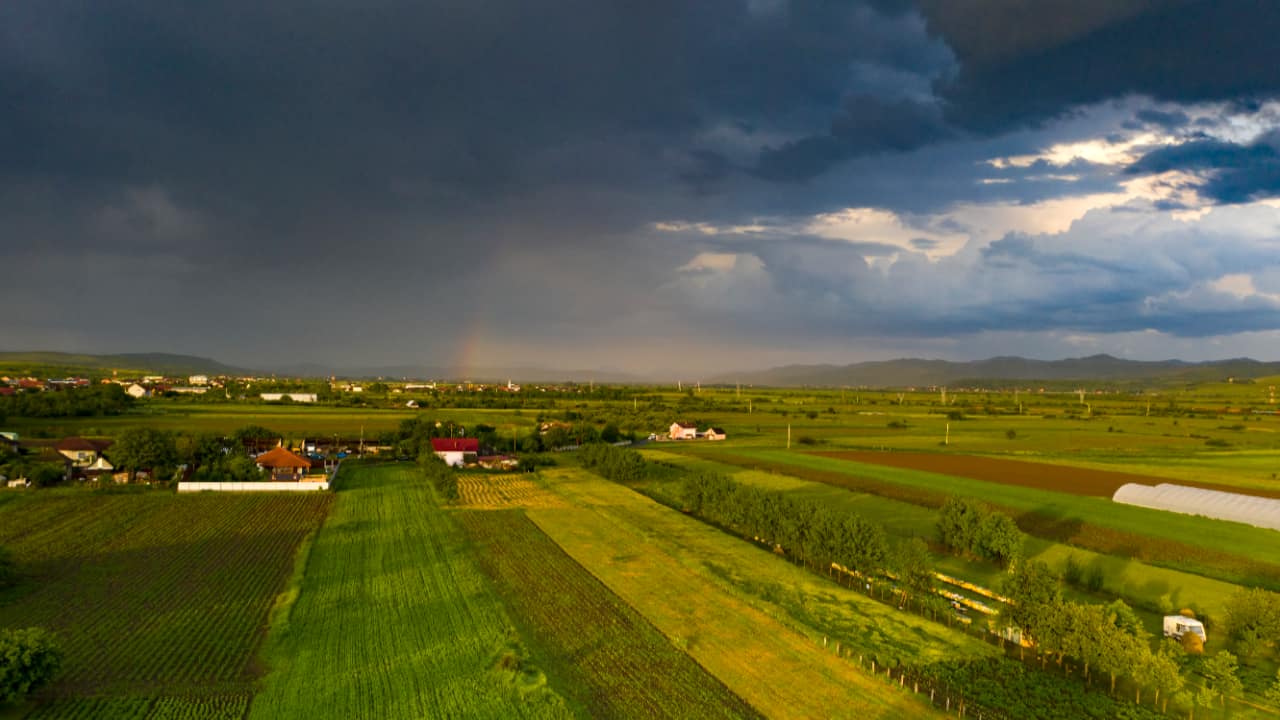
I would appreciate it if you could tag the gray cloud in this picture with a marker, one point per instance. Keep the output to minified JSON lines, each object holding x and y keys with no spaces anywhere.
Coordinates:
{"x":1230,"y":172}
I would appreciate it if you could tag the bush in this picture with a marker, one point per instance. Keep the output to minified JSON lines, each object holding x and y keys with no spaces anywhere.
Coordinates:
{"x":28,"y":661}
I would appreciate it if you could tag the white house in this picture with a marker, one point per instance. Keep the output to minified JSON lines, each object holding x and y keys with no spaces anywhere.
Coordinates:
{"x":198,"y":380}
{"x":683,"y":431}
{"x":295,"y":397}
{"x":137,"y":391}
{"x":454,"y":451}
{"x":714,"y":434}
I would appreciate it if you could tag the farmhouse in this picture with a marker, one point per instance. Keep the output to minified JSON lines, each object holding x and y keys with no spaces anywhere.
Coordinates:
{"x":137,"y":391}
{"x":283,"y":465}
{"x":454,"y":451}
{"x":81,"y":452}
{"x":714,"y":434}
{"x":683,"y":431}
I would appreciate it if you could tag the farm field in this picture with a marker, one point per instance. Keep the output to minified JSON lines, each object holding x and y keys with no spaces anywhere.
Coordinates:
{"x":727,"y":604}
{"x":616,"y":664}
{"x":491,"y":491}
{"x":1123,"y":576}
{"x":1041,"y":475}
{"x":159,"y":600}
{"x":1148,"y":535}
{"x":393,"y":619}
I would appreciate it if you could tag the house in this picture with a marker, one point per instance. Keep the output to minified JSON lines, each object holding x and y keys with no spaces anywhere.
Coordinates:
{"x":198,"y":380}
{"x":137,"y":391}
{"x":454,"y":451}
{"x":283,"y":465}
{"x":80,"y":451}
{"x":683,"y":431}
{"x":714,"y":434}
{"x":295,"y":397}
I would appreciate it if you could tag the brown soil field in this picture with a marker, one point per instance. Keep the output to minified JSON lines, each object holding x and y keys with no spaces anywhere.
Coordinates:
{"x":1041,"y":476}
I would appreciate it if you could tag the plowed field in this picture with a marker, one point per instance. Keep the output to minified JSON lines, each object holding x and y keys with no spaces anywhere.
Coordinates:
{"x":1041,"y":476}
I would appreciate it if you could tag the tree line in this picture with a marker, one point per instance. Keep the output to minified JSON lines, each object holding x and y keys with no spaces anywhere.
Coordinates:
{"x":91,"y":401}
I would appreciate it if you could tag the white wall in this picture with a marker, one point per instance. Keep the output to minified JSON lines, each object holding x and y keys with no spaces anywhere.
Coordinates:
{"x":252,"y":486}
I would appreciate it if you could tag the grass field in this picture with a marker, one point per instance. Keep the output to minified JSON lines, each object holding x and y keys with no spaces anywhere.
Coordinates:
{"x":393,"y":619}
{"x":726,"y":603}
{"x":616,"y":665}
{"x":158,"y":600}
{"x":1137,"y":582}
{"x":1214,"y":548}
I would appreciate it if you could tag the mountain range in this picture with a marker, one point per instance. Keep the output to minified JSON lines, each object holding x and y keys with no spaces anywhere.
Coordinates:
{"x":905,"y":372}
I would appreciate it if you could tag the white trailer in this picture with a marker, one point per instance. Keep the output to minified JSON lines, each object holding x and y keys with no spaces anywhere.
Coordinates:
{"x":1175,"y":626}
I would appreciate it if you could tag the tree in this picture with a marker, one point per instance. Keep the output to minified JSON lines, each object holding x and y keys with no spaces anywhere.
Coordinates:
{"x":28,"y":661}
{"x":144,"y":448}
{"x":958,"y":522}
{"x":1220,"y":676}
{"x":1036,"y":595}
{"x":1273,"y":691}
{"x":914,"y":567}
{"x":999,"y":539}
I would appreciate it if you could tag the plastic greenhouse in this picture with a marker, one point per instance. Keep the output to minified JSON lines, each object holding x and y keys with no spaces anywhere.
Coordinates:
{"x":1257,"y":511}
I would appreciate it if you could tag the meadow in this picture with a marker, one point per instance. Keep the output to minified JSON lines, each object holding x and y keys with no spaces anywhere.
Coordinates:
{"x":158,"y":600}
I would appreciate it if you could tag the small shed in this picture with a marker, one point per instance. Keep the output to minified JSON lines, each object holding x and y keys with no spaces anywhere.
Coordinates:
{"x":714,"y":433}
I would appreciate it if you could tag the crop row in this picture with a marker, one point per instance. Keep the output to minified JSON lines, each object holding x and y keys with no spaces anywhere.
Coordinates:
{"x":393,"y":619}
{"x":226,"y":707}
{"x":155,"y":592}
{"x":620,"y":665}
{"x":494,"y":491}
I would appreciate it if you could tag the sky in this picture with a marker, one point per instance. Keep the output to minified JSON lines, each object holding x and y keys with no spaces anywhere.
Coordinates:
{"x":653,"y":187}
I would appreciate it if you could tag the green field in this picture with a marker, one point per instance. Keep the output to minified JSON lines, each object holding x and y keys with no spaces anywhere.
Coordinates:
{"x":393,"y":619}
{"x":615,"y":663}
{"x":1139,"y":583}
{"x":1213,"y":548}
{"x":735,"y":607}
{"x":158,"y":600}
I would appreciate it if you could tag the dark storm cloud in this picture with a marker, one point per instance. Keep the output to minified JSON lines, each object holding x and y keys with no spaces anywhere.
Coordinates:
{"x":243,"y":177}
{"x":1028,"y":62}
{"x":1229,"y":172}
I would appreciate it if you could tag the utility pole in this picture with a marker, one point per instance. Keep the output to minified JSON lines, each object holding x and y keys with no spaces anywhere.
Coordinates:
{"x":944,"y":396}
{"x":788,"y":436}
{"x":946,"y":439}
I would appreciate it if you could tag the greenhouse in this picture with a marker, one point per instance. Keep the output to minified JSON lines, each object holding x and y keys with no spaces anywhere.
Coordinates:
{"x":1257,"y":511}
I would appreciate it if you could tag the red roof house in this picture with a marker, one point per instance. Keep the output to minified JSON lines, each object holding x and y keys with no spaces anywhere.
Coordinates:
{"x":454,"y":451}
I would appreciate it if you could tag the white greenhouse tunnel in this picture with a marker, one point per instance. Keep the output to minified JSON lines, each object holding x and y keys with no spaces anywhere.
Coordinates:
{"x":1257,"y":511}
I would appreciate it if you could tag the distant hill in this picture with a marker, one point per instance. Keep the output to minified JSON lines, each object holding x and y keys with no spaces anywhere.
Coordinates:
{"x":916,"y":373}
{"x":59,"y":363}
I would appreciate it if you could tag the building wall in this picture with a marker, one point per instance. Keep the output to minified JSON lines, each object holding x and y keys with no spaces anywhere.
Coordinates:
{"x":456,"y":458}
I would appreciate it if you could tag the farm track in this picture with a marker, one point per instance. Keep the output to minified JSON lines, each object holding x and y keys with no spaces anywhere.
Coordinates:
{"x":620,"y":665}
{"x":154,"y":597}
{"x":1037,"y":475}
